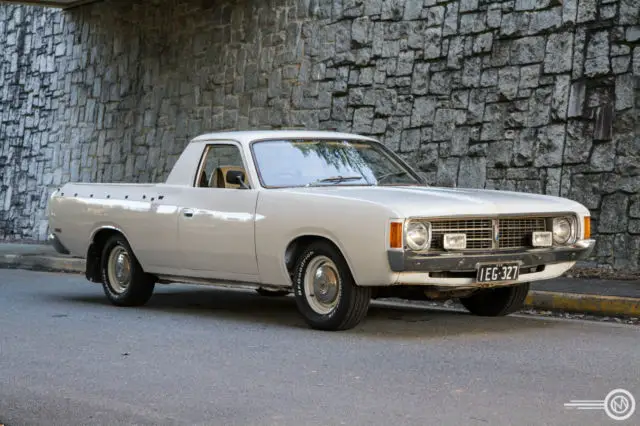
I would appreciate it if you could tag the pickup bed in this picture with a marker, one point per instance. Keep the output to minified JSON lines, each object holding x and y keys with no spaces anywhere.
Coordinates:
{"x":335,"y":218}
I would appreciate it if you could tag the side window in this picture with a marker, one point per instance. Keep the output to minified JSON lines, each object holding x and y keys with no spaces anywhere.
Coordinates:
{"x":218,"y":161}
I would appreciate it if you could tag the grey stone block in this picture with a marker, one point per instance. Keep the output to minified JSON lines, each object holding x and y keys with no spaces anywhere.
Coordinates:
{"x":432,"y":43}
{"x":613,"y":214}
{"x":435,"y":16}
{"x":473,"y":172}
{"x":629,"y":12}
{"x":625,"y":85}
{"x":545,"y":20}
{"x":423,"y":113}
{"x":549,"y":144}
{"x":560,"y":98}
{"x":527,"y":50}
{"x":559,"y":53}
{"x":450,"y":25}
{"x":508,"y":81}
{"x":587,"y":10}
{"x":597,"y":57}
{"x":446,"y":121}
{"x":620,"y":64}
{"x":412,"y":9}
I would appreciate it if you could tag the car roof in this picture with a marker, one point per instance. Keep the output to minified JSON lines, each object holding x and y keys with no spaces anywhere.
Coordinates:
{"x":247,"y":136}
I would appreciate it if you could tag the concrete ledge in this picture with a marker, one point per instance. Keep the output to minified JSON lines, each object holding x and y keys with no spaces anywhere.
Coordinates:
{"x":584,"y":303}
{"x":43,"y":263}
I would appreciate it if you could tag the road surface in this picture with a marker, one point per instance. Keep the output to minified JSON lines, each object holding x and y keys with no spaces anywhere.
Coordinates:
{"x":198,"y":355}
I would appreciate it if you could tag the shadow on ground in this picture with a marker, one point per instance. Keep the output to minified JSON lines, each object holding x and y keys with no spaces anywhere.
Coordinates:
{"x":386,"y":319}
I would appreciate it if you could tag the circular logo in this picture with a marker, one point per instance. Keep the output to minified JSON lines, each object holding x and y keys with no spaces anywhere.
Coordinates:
{"x":619,"y":404}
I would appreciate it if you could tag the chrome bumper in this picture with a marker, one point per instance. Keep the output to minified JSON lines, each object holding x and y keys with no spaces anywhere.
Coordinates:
{"x":442,"y":262}
{"x":57,"y":245}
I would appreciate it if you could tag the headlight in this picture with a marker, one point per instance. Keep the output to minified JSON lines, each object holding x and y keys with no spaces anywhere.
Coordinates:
{"x":564,"y":230}
{"x":418,"y":236}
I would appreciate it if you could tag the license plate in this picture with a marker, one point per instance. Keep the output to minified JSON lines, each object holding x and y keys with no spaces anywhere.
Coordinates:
{"x":498,"y":272}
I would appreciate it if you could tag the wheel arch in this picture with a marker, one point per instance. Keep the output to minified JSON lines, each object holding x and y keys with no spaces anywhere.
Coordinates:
{"x":98,"y":239}
{"x":298,"y":244}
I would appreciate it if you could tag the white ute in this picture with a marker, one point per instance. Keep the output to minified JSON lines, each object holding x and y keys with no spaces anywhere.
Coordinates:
{"x":335,"y":218}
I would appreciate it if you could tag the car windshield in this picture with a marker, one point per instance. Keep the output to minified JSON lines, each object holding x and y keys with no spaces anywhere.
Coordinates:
{"x":285,"y":163}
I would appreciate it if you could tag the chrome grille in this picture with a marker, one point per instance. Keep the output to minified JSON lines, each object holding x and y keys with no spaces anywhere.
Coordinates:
{"x":517,"y":232}
{"x":513,"y":232}
{"x":479,"y":232}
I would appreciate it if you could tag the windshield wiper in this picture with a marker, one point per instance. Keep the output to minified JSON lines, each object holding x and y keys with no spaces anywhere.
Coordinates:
{"x":394,"y":174}
{"x":335,"y":179}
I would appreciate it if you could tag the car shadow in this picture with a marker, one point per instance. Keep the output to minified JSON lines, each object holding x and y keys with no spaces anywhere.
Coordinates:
{"x":386,"y":319}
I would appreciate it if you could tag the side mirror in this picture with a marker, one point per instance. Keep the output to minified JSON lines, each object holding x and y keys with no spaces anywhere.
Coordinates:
{"x":236,"y":177}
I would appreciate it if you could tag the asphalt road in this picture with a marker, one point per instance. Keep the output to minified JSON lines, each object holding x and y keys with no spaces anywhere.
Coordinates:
{"x":197,"y":355}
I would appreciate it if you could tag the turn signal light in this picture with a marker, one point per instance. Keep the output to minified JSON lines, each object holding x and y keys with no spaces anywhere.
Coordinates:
{"x":587,"y":227}
{"x":395,"y":235}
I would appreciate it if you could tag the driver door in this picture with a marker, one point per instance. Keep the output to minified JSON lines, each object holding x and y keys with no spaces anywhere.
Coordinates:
{"x":216,"y":219}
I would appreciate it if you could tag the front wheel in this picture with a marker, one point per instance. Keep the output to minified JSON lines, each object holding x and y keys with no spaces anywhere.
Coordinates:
{"x":325,"y":291}
{"x":123,"y":280}
{"x":495,"y":302}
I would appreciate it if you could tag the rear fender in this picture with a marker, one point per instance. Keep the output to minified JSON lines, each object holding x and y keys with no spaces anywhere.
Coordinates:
{"x":94,"y":252}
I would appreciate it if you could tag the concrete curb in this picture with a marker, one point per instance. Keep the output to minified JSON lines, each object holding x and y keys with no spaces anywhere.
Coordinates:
{"x":42,"y":263}
{"x":541,"y":300}
{"x":584,"y":303}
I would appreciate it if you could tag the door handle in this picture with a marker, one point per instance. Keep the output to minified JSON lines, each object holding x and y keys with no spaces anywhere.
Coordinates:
{"x":187,"y":212}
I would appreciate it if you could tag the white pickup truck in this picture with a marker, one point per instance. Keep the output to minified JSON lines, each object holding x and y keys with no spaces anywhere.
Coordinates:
{"x":335,"y":218}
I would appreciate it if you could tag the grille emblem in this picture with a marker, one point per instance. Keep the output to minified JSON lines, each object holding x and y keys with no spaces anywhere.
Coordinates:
{"x":496,"y":231}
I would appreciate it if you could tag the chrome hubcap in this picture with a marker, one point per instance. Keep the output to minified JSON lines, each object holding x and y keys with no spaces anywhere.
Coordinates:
{"x":322,"y":285}
{"x":119,"y":270}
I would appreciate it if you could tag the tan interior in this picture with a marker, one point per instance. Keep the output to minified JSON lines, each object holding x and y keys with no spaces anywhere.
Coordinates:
{"x":218,"y":180}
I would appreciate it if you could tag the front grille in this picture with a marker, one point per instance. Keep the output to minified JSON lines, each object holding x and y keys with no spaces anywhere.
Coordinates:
{"x":479,"y":232}
{"x":513,"y":232}
{"x":517,"y":232}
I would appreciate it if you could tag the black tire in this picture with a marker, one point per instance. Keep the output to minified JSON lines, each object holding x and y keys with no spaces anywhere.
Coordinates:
{"x":140,"y":286}
{"x":496,"y":302}
{"x":352,"y":300}
{"x":271,"y":293}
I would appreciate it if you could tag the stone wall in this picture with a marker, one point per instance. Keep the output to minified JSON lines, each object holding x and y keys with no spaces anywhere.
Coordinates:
{"x":532,"y":95}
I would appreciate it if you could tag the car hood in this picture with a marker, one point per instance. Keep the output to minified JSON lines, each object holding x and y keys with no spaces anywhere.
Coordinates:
{"x":412,"y":201}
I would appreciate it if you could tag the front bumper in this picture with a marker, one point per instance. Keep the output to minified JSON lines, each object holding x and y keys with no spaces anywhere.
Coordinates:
{"x":400,"y":261}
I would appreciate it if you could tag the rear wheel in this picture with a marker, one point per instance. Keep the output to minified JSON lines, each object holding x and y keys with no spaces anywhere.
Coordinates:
{"x":123,"y":280}
{"x":325,"y":291}
{"x":495,"y":302}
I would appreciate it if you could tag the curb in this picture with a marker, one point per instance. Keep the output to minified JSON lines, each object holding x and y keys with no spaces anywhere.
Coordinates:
{"x":541,"y":300}
{"x":42,"y":263}
{"x":584,"y":303}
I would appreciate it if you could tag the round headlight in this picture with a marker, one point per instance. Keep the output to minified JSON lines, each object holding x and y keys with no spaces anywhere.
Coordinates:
{"x":561,"y":230}
{"x":417,"y":236}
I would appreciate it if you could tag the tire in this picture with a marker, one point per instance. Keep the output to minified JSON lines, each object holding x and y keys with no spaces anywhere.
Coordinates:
{"x":496,"y":302}
{"x":139,"y":288}
{"x":271,"y":293}
{"x":343,"y":304}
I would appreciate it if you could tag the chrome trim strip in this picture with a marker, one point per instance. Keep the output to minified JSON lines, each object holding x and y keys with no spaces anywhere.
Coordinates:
{"x":493,"y":216}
